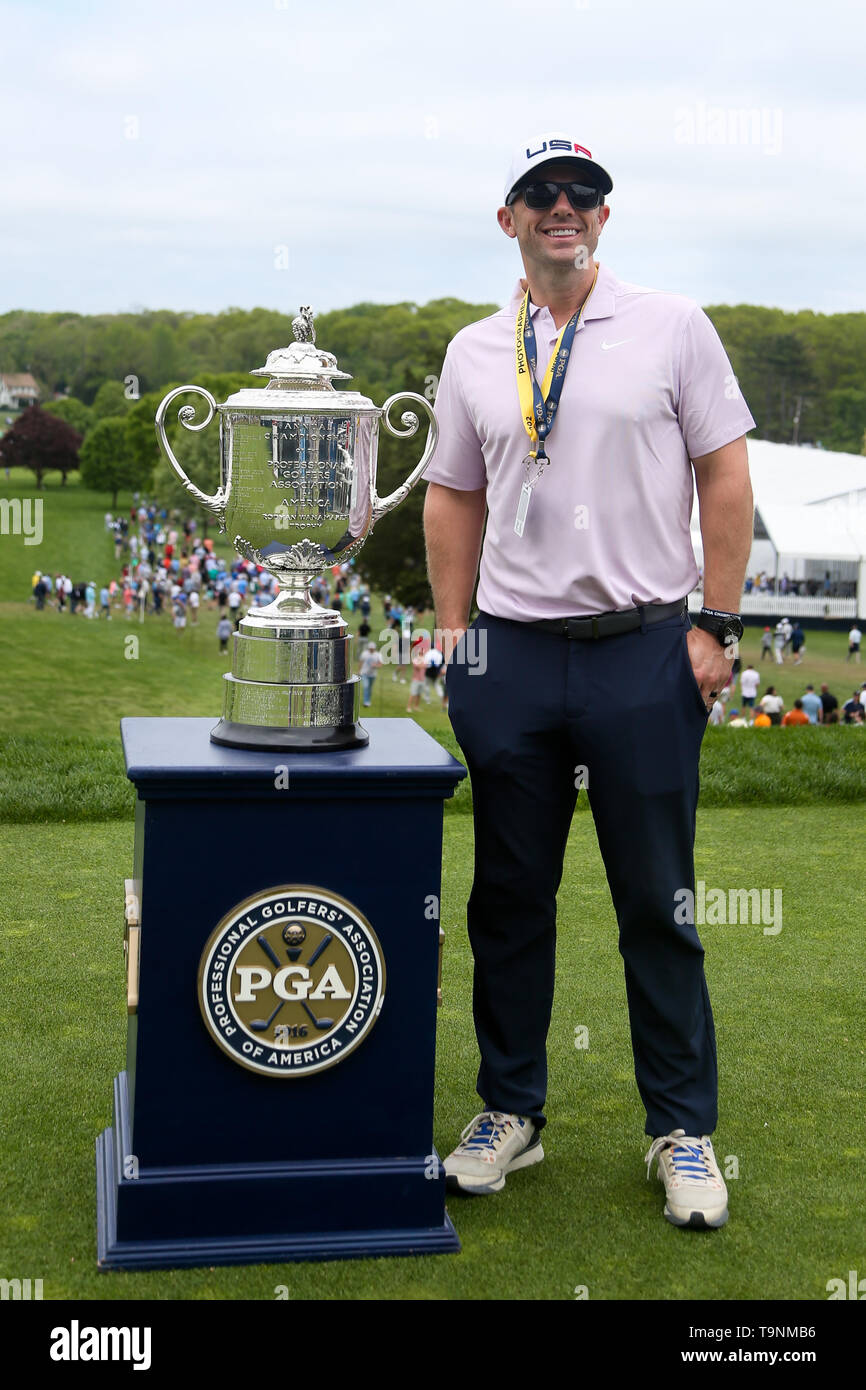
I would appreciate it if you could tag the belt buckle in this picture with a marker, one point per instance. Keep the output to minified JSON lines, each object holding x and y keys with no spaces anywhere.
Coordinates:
{"x":579,"y":628}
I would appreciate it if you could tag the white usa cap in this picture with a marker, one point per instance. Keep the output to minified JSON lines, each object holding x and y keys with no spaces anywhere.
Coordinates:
{"x":554,"y":146}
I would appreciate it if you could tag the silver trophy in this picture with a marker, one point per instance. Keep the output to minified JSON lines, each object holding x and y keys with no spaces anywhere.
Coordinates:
{"x":297,"y":494}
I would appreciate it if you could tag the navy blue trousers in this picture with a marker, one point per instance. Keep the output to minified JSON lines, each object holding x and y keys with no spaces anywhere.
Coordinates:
{"x":627,"y":709}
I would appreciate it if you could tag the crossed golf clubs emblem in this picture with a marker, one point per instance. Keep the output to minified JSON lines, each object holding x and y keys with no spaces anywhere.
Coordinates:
{"x":260,"y":1025}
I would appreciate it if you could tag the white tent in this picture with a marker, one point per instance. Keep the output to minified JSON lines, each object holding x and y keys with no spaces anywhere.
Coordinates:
{"x":810,"y":517}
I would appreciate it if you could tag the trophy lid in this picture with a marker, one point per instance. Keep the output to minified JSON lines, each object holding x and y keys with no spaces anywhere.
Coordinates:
{"x":300,"y":378}
{"x":301,"y":364}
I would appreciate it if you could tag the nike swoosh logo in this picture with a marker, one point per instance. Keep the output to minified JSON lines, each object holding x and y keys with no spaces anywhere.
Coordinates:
{"x":605,"y":347}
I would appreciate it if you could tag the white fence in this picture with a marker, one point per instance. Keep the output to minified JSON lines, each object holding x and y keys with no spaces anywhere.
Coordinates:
{"x":787,"y":606}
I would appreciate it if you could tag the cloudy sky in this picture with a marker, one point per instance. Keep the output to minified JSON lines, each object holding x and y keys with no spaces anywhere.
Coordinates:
{"x":195,"y":156}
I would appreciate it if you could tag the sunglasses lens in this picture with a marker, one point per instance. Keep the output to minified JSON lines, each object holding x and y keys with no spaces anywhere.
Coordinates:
{"x":543,"y":195}
{"x":540,"y":195}
{"x":581,"y":196}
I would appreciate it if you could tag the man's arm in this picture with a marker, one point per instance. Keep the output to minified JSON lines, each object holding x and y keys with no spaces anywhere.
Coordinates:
{"x":453,"y":525}
{"x":726,"y":515}
{"x":727,"y":522}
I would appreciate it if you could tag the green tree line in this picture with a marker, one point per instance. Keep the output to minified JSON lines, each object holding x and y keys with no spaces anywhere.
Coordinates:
{"x":802,"y":374}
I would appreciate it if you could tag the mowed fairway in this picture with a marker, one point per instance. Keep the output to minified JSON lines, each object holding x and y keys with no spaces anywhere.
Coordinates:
{"x":783,"y":809}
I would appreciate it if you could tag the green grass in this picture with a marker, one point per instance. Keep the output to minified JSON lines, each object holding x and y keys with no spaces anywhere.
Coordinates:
{"x":788,"y":1008}
{"x":65,"y":684}
{"x":791,"y":1052}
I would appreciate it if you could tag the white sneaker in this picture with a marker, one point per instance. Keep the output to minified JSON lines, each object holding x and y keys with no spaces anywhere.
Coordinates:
{"x":492,"y":1145}
{"x":694,"y":1188}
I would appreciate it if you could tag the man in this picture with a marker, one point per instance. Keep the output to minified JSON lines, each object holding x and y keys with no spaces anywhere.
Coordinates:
{"x":854,"y":637}
{"x":852,"y":710}
{"x":419,"y":672}
{"x":368,"y":667}
{"x":797,"y":715}
{"x":589,"y":658}
{"x":772,"y":705}
{"x":811,"y":703}
{"x":766,"y":643}
{"x":749,"y":682}
{"x":829,"y":706}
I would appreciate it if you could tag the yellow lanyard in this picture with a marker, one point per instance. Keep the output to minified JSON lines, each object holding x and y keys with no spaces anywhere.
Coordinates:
{"x":527,"y":386}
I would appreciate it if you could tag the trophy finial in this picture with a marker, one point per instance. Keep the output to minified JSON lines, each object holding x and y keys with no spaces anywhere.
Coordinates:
{"x":302,"y":326}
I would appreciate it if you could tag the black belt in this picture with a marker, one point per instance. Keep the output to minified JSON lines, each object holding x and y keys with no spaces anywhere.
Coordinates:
{"x":609,"y":624}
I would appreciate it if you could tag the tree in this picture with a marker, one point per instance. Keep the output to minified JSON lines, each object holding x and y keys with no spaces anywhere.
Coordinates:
{"x":847,"y":409}
{"x":107,"y":462}
{"x":73,"y":411}
{"x":42,"y":443}
{"x":110,"y":401}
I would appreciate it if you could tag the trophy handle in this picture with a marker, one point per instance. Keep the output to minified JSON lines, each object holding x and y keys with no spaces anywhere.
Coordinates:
{"x":409,"y":419}
{"x":186,"y":415}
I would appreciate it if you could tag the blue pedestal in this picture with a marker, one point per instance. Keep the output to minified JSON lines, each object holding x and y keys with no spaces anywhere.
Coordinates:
{"x":209,"y":1162}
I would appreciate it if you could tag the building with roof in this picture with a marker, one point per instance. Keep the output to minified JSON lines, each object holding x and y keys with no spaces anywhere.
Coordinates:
{"x":17,"y":390}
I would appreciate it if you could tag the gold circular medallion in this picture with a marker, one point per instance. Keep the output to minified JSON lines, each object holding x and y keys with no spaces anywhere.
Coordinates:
{"x":291,"y":980}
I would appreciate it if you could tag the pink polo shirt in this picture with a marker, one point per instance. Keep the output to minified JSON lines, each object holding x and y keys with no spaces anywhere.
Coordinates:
{"x":648,"y":387}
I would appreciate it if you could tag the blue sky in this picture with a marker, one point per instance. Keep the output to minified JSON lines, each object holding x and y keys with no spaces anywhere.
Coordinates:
{"x":194,"y":156}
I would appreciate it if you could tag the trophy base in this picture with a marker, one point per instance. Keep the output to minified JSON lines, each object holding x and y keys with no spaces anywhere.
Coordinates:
{"x":326,"y":738}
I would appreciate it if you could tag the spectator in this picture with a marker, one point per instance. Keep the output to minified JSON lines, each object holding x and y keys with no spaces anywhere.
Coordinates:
{"x":772,"y":705}
{"x":761,"y":721}
{"x":224,"y":632}
{"x":40,"y":589}
{"x":435,"y":662}
{"x":419,"y":671}
{"x":812,"y":705}
{"x":368,"y":665}
{"x":749,"y":682}
{"x":854,"y":637}
{"x":104,"y":601}
{"x":852,"y":710}
{"x":829,"y":707}
{"x":90,"y":600}
{"x":797,"y":715}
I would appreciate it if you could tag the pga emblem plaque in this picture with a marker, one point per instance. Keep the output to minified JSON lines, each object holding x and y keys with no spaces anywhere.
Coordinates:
{"x":291,"y":981}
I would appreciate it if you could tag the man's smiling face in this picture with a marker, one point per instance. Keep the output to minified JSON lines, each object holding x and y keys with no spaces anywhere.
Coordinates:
{"x":553,"y":236}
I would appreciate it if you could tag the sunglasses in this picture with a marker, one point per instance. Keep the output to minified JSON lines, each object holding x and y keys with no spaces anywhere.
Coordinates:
{"x":543,"y":195}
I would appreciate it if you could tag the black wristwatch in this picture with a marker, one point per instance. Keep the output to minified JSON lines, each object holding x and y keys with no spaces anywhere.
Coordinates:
{"x":725,"y":627}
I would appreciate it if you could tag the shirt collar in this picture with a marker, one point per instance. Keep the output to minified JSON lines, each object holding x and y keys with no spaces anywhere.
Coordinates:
{"x":602,"y":303}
